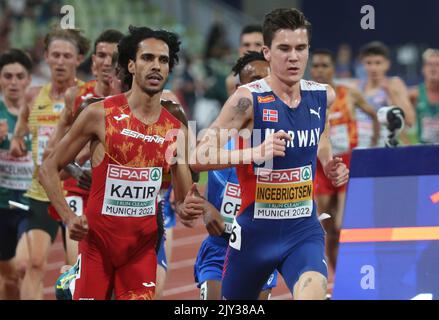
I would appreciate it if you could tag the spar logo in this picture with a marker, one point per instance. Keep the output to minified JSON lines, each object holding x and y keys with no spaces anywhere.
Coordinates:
{"x":155,"y":174}
{"x":134,"y":174}
{"x":233,"y":190}
{"x":306,"y":173}
{"x":285,"y":175}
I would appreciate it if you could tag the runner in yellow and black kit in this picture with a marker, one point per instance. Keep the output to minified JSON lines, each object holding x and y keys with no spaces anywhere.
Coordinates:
{"x":64,"y":50}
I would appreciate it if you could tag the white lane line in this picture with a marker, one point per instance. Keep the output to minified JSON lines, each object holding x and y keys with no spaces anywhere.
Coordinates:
{"x":177,"y":290}
{"x":182,"y":264}
{"x":55,"y":265}
{"x":179,"y":242}
{"x":285,"y":296}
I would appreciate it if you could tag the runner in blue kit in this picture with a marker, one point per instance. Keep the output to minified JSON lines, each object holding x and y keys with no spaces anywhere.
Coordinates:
{"x":224,"y":197}
{"x":277,"y":226}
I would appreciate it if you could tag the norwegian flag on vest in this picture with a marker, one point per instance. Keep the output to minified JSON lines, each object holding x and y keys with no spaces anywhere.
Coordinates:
{"x":270,"y":115}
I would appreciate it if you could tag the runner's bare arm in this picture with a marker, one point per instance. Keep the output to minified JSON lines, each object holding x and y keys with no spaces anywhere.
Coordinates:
{"x":360,"y":101}
{"x":189,"y":206}
{"x":176,"y":110}
{"x":413,"y":95}
{"x":334,"y":168}
{"x":236,"y":114}
{"x":399,"y":96}
{"x":324,"y":152}
{"x":17,"y":147}
{"x":89,"y":125}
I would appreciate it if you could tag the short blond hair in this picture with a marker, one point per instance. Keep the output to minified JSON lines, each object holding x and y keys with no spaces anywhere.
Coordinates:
{"x":73,"y":35}
{"x":429,"y":53}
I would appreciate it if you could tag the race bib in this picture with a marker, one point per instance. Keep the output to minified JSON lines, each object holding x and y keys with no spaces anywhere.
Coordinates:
{"x":284,"y":194}
{"x":339,"y":136}
{"x":76,"y":204}
{"x":230,"y":205}
{"x":430,"y":130}
{"x":131,"y":192}
{"x":15,"y":173}
{"x":235,"y":236}
{"x":44,"y":133}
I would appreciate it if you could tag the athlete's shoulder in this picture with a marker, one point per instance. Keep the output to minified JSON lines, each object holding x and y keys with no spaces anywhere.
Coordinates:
{"x":31,"y":95}
{"x":258,"y":86}
{"x":71,"y":93}
{"x":173,"y":117}
{"x":176,"y":110}
{"x":92,"y":116}
{"x":308,"y":85}
{"x":396,"y":82}
{"x":330,"y":94}
{"x":169,"y":95}
{"x":117,"y":100}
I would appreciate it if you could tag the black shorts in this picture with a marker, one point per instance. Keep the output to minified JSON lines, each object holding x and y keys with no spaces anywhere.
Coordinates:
{"x":13,"y":223}
{"x":39,"y":218}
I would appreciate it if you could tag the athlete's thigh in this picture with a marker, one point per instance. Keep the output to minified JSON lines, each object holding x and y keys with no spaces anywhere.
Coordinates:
{"x":21,"y":255}
{"x":252,"y":255}
{"x":244,"y":274}
{"x":308,"y":255}
{"x":136,"y":280}
{"x":6,"y":268}
{"x":95,"y":274}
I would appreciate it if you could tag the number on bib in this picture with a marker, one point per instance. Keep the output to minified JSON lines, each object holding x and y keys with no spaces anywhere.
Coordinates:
{"x":76,"y":205}
{"x":235,"y":236}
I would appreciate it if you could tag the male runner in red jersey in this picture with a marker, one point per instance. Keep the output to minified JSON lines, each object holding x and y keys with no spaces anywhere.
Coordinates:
{"x":130,"y":151}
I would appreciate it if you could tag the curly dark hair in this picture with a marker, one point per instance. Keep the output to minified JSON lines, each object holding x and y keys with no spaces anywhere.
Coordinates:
{"x":128,"y":45}
{"x":246,"y":59}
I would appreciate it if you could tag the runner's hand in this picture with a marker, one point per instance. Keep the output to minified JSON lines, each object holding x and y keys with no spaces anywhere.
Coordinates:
{"x":77,"y":227}
{"x":336,"y":171}
{"x":214,"y":221}
{"x":191,"y":208}
{"x":274,"y":145}
{"x":17,"y":148}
